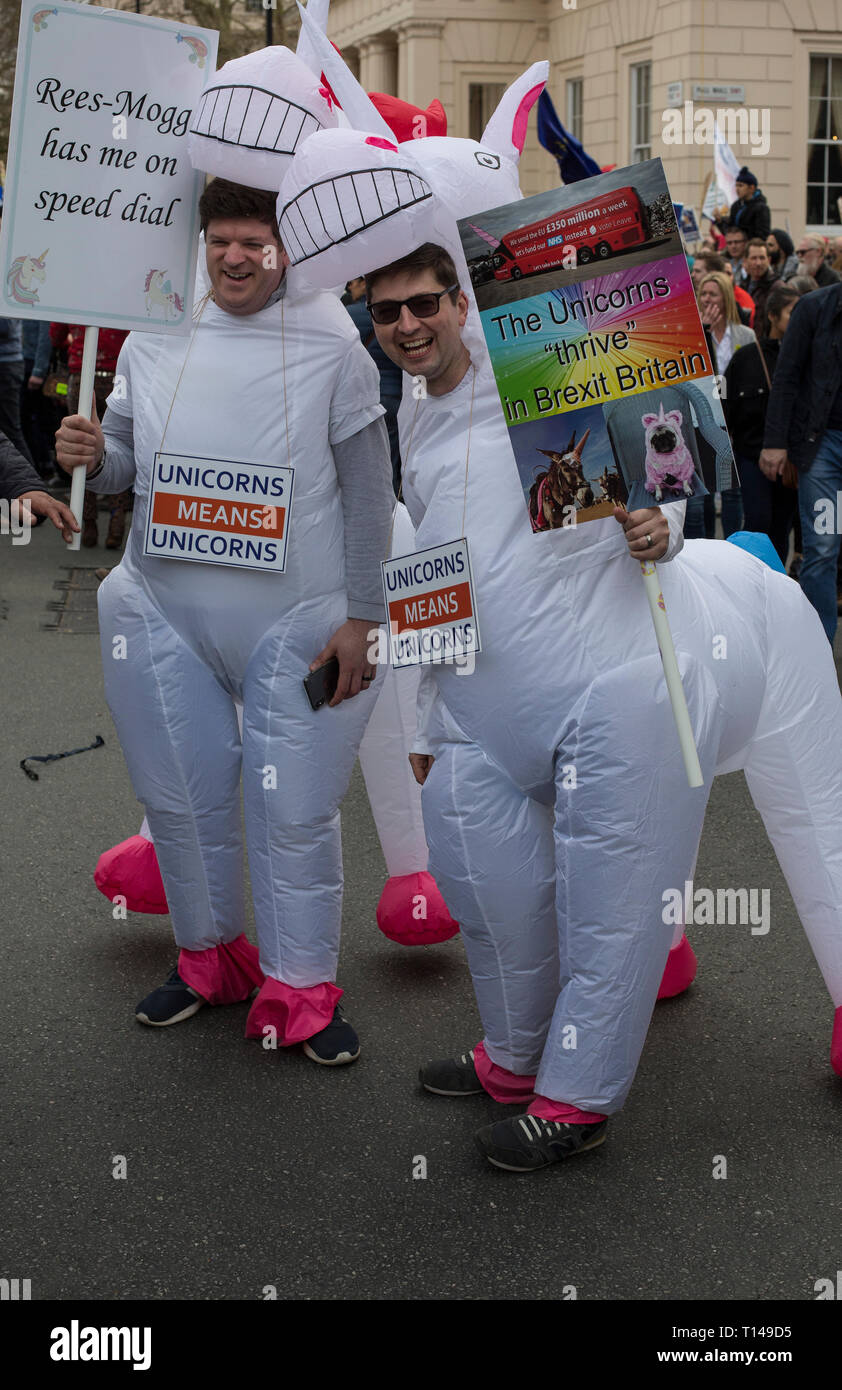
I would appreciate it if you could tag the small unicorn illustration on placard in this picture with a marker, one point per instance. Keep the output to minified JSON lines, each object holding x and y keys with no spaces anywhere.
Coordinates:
{"x":23,"y":275}
{"x":159,"y":292}
{"x":199,"y":49}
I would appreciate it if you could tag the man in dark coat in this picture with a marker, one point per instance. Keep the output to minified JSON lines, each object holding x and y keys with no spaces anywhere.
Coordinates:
{"x":804,"y":423}
{"x":761,"y":279}
{"x":750,"y":211}
{"x":811,"y":260}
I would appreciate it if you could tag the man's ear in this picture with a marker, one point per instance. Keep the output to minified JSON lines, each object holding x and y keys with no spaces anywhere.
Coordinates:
{"x":462,"y":306}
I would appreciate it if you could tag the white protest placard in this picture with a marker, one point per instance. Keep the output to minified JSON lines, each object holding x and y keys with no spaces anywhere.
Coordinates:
{"x":430,"y":605}
{"x":219,"y":512}
{"x":100,"y":221}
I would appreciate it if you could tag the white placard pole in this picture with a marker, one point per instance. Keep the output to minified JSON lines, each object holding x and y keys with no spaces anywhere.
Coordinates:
{"x":86,"y":395}
{"x":673,"y":676}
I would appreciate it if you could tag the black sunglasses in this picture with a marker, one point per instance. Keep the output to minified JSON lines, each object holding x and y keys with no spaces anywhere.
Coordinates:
{"x":421,"y":306}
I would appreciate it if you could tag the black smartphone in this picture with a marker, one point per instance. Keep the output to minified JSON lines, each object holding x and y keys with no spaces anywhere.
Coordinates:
{"x":321,"y":684}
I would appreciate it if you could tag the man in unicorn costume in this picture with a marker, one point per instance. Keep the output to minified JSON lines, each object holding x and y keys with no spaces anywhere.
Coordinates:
{"x":269,"y":375}
{"x":558,"y":881}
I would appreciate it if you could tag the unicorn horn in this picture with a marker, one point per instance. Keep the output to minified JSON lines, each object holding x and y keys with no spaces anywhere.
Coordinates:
{"x":354,"y":100}
{"x":317,"y":11}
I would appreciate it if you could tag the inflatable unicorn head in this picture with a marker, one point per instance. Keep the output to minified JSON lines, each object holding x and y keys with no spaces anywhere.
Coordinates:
{"x":466,"y":175}
{"x":357,"y":199}
{"x":254,"y":115}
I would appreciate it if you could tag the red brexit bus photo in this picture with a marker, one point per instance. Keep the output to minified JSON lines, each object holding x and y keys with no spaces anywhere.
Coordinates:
{"x":597,"y":229}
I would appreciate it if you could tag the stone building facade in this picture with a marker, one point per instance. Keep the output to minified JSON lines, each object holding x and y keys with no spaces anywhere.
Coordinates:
{"x":617,"y":68}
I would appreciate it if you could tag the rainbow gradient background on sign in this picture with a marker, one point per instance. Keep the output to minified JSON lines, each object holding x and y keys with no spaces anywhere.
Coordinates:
{"x":664,"y":328}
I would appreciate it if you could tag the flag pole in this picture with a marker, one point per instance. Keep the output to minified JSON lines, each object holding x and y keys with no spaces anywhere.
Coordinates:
{"x":86,"y":395}
{"x":681,"y":714}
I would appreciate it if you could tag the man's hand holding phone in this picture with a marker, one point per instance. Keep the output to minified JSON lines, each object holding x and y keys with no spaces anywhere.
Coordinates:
{"x":350,"y":645}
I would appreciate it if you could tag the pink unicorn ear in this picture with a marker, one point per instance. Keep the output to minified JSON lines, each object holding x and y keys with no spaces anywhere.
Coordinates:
{"x":674,"y":417}
{"x":506,"y":131}
{"x":647,"y":420}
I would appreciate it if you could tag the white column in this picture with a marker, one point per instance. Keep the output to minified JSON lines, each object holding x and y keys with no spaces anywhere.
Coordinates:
{"x":419,"y":57}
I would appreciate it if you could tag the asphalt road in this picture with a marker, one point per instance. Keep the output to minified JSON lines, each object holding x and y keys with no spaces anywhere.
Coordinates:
{"x":248,"y":1169}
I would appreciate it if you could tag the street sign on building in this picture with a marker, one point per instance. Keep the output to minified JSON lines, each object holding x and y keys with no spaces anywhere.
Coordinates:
{"x":719,"y":91}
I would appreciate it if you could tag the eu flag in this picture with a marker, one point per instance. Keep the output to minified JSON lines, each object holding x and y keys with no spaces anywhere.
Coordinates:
{"x":573,"y":163}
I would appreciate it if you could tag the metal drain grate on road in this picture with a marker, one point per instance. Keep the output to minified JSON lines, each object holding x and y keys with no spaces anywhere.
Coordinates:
{"x":75,"y":611}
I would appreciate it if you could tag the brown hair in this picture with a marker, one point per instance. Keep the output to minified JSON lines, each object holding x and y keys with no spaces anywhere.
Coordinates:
{"x":223,"y":199}
{"x":427,"y":257}
{"x":711,"y":259}
{"x":726,"y":289}
{"x":758,"y":241}
{"x":778,"y":298}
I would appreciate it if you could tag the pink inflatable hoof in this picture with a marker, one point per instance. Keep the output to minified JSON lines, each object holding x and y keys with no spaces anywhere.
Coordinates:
{"x":411,"y":911}
{"x":680,"y":970}
{"x":836,"y":1042}
{"x":130,"y":870}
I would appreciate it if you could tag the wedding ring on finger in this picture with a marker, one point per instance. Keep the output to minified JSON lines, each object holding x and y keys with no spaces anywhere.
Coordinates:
{"x":649,"y":540}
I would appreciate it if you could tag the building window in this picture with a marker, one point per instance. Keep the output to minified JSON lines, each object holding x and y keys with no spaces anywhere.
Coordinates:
{"x":824,"y":156}
{"x":574,"y":87}
{"x":641,"y":78}
{"x":483,"y":98}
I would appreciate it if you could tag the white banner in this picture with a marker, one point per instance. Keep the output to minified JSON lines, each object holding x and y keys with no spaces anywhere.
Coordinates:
{"x":726,"y":165}
{"x":100,"y":221}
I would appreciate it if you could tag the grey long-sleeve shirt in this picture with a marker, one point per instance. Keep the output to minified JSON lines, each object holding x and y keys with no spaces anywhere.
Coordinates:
{"x":364,"y":473}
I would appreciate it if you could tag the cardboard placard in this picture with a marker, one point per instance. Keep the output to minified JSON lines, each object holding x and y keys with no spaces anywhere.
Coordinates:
{"x":219,"y":512}
{"x":601,"y":361}
{"x":430,"y":605}
{"x":100,"y":221}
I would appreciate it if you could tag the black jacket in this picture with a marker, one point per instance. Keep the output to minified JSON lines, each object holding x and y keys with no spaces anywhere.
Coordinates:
{"x":760,"y":293}
{"x":753,"y":217}
{"x":16,"y":475}
{"x":747,"y":395}
{"x":826,"y":275}
{"x":807,"y":378}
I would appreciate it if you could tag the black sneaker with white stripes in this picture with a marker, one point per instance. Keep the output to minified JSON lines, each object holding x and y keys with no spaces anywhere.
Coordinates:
{"x":525,"y":1143}
{"x":455,"y":1076}
{"x":335,"y":1045}
{"x":171,"y":1002}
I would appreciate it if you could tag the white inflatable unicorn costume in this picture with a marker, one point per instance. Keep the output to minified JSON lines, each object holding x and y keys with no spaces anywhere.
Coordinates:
{"x":560,"y":892}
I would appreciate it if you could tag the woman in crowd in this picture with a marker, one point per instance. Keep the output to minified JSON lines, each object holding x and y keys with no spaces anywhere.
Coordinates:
{"x":767,"y":506}
{"x":718,"y":308}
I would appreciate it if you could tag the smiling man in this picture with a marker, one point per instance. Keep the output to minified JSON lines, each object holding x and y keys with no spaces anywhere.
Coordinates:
{"x":419,"y":331}
{"x":197,"y":616}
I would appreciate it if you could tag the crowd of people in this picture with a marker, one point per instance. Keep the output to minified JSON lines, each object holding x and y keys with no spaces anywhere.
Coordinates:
{"x":767,"y":347}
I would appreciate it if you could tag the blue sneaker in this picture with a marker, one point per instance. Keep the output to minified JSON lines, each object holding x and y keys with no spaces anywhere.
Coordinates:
{"x":171,"y":1002}
{"x":335,"y":1045}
